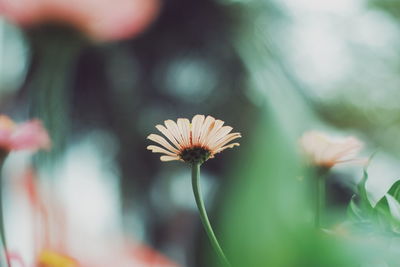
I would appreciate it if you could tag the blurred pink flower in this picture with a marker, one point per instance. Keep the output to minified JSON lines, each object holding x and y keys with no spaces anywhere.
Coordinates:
{"x":15,"y":258}
{"x":129,"y":256}
{"x":101,"y":19}
{"x":326,"y":151}
{"x":58,"y":245}
{"x":26,"y":136}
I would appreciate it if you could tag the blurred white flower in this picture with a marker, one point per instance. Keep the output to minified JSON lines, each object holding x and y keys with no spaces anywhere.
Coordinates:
{"x":326,"y":151}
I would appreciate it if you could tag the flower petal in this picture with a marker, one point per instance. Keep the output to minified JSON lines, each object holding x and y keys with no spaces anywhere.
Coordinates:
{"x":206,"y":128}
{"x":197,"y":123}
{"x":169,"y":158}
{"x":223,"y":141}
{"x":349,"y":148}
{"x":221,"y":133}
{"x":29,"y":135}
{"x":323,"y":150}
{"x":160,"y":140}
{"x":174,"y":130}
{"x":227,"y":146}
{"x":184,"y":129}
{"x":157,"y":149}
{"x":169,"y":135}
{"x":214,"y":127}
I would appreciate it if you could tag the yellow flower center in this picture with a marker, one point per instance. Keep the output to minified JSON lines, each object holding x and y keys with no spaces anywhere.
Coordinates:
{"x":6,"y":123}
{"x":49,"y":258}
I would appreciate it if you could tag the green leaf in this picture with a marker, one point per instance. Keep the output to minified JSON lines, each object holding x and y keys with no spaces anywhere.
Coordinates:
{"x":360,"y":221}
{"x":364,"y":202}
{"x":360,"y":209}
{"x":394,"y":208}
{"x":387,"y":210}
{"x":353,"y":211}
{"x":382,"y":216}
{"x":387,"y":214}
{"x":394,"y":190}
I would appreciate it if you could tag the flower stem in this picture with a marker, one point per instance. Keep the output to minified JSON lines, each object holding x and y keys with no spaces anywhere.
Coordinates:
{"x":320,"y":200}
{"x":57,"y":49}
{"x":203,"y":213}
{"x":2,"y":232}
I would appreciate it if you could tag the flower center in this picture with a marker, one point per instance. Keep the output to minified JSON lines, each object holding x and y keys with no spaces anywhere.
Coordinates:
{"x":49,"y":258}
{"x":6,"y":124}
{"x":195,"y":154}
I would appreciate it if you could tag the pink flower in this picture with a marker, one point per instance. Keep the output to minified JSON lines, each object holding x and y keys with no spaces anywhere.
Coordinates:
{"x":100,"y":19}
{"x":326,"y":151}
{"x":26,"y":136}
{"x":15,"y":257}
{"x":58,"y":243}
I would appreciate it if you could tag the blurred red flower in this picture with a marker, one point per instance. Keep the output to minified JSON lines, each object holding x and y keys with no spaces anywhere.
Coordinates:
{"x":100,"y":19}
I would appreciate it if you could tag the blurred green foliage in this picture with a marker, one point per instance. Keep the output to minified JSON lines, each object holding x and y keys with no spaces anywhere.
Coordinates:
{"x":228,"y":59}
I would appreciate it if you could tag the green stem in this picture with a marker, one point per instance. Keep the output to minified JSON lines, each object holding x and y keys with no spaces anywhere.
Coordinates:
{"x":320,"y":200}
{"x":56,"y":49}
{"x":203,"y":213}
{"x":2,"y":231}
